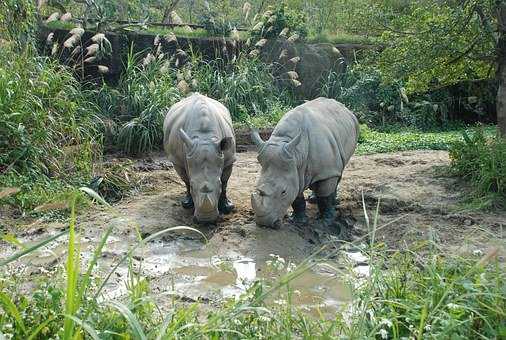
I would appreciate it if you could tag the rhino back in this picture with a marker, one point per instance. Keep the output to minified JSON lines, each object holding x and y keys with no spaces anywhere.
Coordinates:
{"x":199,"y":116}
{"x":329,"y":137}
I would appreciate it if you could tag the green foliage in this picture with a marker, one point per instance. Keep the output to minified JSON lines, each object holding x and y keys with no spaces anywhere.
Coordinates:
{"x":429,"y":44}
{"x":421,"y":293}
{"x":482,"y":161}
{"x":135,"y":108}
{"x":48,"y":126}
{"x":17,"y":20}
{"x":372,"y":141}
{"x":277,"y":18}
{"x":247,"y":87}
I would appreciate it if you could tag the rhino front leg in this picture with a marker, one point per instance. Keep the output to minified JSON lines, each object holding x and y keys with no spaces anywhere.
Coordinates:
{"x":187,"y":201}
{"x":224,"y":204}
{"x":326,"y":199}
{"x":299,"y":210}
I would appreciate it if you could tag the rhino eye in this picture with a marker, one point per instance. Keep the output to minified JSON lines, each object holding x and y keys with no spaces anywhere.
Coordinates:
{"x":283,"y":193}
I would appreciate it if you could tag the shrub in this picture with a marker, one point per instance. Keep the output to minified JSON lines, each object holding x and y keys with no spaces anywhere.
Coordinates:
{"x":135,"y":108}
{"x":482,"y":161}
{"x":277,"y":19}
{"x":48,"y":127}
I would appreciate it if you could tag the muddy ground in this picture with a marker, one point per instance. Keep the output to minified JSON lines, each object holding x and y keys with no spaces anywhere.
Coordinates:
{"x":418,"y":202}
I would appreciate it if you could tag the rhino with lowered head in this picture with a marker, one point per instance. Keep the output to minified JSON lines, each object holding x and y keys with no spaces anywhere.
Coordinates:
{"x":199,"y":140}
{"x":309,"y":148}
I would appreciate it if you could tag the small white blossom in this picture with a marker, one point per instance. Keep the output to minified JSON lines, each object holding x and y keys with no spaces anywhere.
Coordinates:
{"x":383,"y":333}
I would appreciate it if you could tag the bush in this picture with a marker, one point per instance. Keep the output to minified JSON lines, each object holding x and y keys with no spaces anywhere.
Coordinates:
{"x":247,"y":87}
{"x":134,"y":110}
{"x":48,"y":126}
{"x":482,"y":161}
{"x":275,"y":20}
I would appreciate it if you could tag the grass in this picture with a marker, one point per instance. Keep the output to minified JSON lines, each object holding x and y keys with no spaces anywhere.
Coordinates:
{"x":371,"y":141}
{"x":341,"y":37}
{"x":406,"y":296}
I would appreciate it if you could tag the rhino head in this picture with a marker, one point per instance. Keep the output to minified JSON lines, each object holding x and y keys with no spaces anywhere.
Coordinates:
{"x":205,"y":161}
{"x":278,"y":184}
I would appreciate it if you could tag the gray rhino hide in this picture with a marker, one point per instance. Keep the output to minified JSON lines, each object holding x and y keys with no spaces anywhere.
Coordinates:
{"x":329,"y":138}
{"x":200,"y":117}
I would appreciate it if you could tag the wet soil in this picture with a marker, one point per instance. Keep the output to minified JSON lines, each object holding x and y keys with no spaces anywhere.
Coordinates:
{"x":417,"y":202}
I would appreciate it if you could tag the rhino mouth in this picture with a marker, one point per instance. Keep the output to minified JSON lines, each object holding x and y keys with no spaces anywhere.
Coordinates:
{"x":206,"y":210}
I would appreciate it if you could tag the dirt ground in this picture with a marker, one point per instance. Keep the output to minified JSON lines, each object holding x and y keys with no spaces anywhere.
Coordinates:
{"x":418,"y":202}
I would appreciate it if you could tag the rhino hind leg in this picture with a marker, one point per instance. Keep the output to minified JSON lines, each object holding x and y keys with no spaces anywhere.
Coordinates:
{"x":299,"y":210}
{"x":187,"y":201}
{"x":225,"y":206}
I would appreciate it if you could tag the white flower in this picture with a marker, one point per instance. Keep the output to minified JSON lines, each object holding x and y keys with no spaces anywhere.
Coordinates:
{"x":294,"y":60}
{"x":284,"y":32}
{"x":53,"y":17}
{"x":293,"y":38}
{"x":261,"y":43}
{"x":69,"y":43}
{"x":98,"y":37}
{"x":254,"y":53}
{"x":258,"y":26}
{"x":477,"y":252}
{"x":50,"y":37}
{"x":66,"y":17}
{"x":92,"y":49}
{"x":103,"y":69}
{"x":291,"y":267}
{"x":292,"y":75}
{"x":427,"y":328}
{"x":156,"y":41}
{"x":77,"y":31}
{"x":386,"y":322}
{"x":171,"y":37}
{"x":383,"y":333}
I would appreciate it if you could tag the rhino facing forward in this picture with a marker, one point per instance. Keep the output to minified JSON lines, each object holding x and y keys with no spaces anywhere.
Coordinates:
{"x":199,"y":140}
{"x":309,"y":148}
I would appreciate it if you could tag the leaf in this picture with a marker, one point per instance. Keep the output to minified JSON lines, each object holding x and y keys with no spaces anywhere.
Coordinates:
{"x":130,"y":318}
{"x":12,"y":310}
{"x":94,"y":195}
{"x":31,"y":249}
{"x":86,"y":326}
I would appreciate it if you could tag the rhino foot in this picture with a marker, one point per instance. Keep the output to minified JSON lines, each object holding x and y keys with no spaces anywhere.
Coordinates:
{"x":225,"y":206}
{"x":187,"y":202}
{"x":298,"y":218}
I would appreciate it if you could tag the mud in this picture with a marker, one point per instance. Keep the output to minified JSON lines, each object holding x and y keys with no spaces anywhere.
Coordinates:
{"x":418,"y":202}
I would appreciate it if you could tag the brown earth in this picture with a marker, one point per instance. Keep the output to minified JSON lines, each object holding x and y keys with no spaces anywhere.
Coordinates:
{"x":418,"y":202}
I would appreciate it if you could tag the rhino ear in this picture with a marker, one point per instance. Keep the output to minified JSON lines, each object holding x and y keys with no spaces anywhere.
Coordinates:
{"x":225,"y":144}
{"x":255,"y":137}
{"x":186,"y":139}
{"x":289,"y":148}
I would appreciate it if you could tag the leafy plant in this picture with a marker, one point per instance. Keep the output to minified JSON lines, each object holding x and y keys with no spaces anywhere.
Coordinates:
{"x":482,"y":161}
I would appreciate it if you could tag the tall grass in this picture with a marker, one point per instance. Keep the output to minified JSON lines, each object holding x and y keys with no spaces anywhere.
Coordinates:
{"x":48,"y":126}
{"x":406,"y":295}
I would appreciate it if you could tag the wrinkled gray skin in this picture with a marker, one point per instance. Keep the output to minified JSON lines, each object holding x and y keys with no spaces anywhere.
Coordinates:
{"x":309,"y":148}
{"x":199,"y":140}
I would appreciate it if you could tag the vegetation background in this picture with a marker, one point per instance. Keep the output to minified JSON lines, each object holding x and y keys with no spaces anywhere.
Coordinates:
{"x":56,"y":124}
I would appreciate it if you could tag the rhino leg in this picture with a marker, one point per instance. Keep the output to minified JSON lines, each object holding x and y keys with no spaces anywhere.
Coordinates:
{"x":187,"y":201}
{"x":224,"y":204}
{"x":299,"y":210}
{"x":326,"y":199}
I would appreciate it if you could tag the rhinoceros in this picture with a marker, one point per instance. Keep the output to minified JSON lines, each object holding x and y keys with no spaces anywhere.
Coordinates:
{"x":199,"y":140}
{"x":309,"y":148}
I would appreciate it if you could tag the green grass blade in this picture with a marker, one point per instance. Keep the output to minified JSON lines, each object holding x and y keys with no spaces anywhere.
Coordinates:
{"x":96,"y":254}
{"x":11,"y":309}
{"x":39,"y":328}
{"x":91,"y":332}
{"x":31,"y":249}
{"x":163,"y":327}
{"x":70,"y":292}
{"x":94,"y":195}
{"x":130,"y":318}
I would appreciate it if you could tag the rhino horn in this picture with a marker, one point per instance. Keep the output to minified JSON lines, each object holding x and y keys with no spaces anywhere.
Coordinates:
{"x":186,"y":139}
{"x":289,"y":148}
{"x":207,"y":204}
{"x":255,"y":136}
